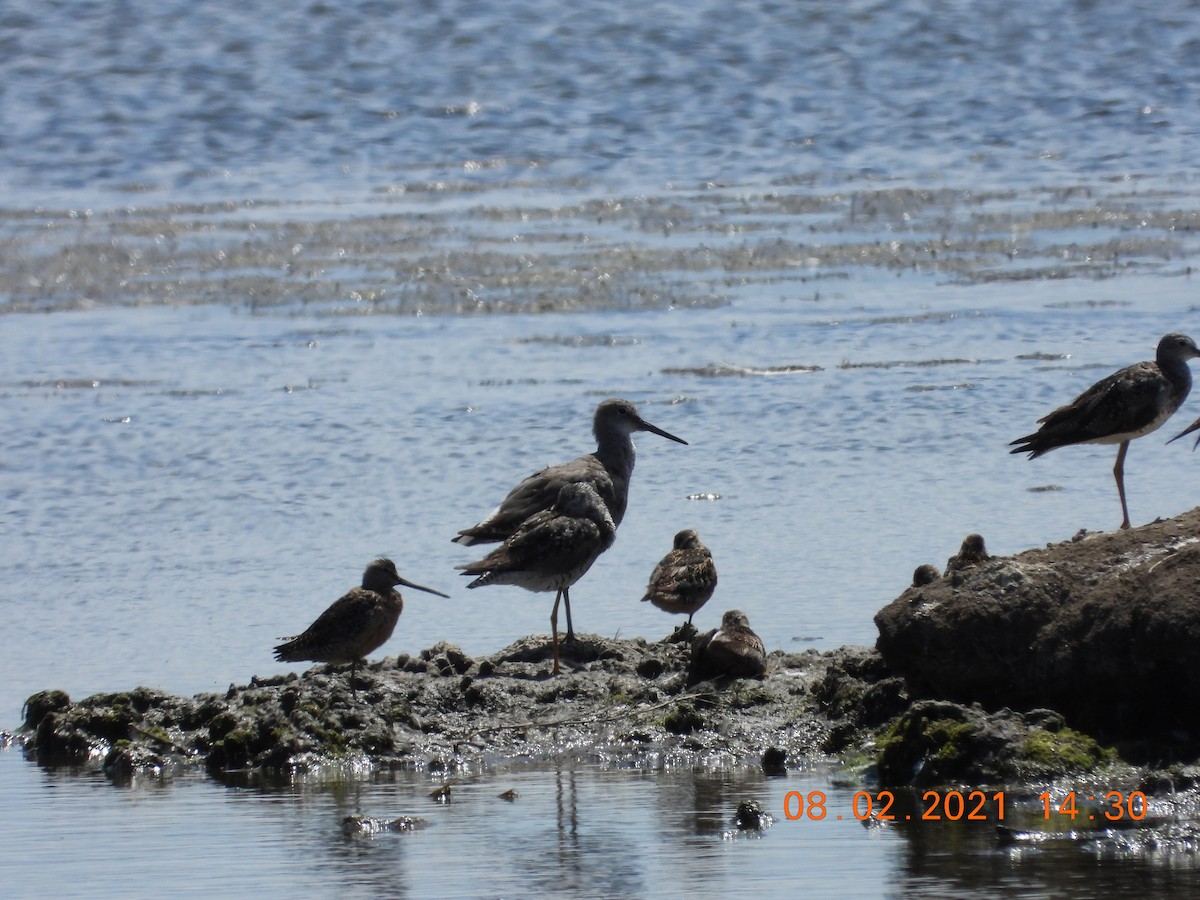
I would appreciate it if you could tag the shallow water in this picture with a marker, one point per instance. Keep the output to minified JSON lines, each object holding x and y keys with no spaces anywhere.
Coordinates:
{"x":188,"y":484}
{"x":288,"y":287}
{"x":576,"y":828}
{"x":218,"y":99}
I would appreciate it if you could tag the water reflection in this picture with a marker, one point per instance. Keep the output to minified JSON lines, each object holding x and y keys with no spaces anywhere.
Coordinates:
{"x":575,"y":829}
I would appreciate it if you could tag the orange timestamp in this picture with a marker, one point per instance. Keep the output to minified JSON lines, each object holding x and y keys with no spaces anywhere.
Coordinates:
{"x":953,"y":806}
{"x":956,"y":806}
{"x":1117,"y":806}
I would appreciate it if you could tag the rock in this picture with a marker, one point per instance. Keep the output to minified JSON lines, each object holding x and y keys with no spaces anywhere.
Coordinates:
{"x":774,"y":761}
{"x":619,"y":697}
{"x":938,"y":742}
{"x":1100,"y":629}
{"x":365,"y":826}
{"x":42,"y":704}
{"x":751,"y":817}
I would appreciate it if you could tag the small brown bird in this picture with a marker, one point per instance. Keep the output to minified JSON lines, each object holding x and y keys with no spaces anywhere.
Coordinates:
{"x":731,"y":651}
{"x":971,"y":553}
{"x":1128,"y":404}
{"x":357,"y":624}
{"x":926,"y":573}
{"x":552,"y":549}
{"x":685,"y":578}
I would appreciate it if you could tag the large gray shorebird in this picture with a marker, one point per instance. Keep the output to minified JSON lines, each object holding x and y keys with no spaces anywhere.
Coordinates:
{"x":1127,"y":404}
{"x":552,"y":549}
{"x":608,"y":470}
{"x":357,"y":624}
{"x":685,"y":578}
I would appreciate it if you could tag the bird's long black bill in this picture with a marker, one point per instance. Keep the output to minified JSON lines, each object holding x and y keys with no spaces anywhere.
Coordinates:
{"x":656,"y":430}
{"x":1195,"y":425}
{"x":425,"y":589}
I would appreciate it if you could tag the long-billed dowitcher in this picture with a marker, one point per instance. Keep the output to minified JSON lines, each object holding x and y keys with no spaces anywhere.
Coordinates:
{"x":608,"y":470}
{"x":1127,"y":404}
{"x":731,"y":651}
{"x":357,"y":624}
{"x":685,"y":578}
{"x":552,"y":549}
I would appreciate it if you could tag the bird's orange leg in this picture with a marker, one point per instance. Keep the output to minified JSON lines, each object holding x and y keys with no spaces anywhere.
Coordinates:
{"x":1119,"y":474}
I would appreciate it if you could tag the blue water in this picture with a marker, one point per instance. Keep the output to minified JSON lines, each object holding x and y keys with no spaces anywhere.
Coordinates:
{"x":227,"y":99}
{"x":189,"y":469}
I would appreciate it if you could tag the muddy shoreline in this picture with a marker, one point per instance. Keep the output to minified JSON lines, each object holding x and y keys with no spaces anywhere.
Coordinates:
{"x":881,"y":717}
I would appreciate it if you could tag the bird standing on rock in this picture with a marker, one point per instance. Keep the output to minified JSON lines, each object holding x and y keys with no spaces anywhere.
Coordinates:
{"x":608,"y":471}
{"x":1128,"y":404}
{"x":685,"y":578}
{"x":359,"y":623}
{"x":731,"y":651}
{"x":552,"y":549}
{"x":972,"y":552}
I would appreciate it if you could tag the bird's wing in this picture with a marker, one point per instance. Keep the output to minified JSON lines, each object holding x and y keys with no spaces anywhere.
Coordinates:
{"x":538,"y":492}
{"x":683,"y":571}
{"x":1125,"y":402}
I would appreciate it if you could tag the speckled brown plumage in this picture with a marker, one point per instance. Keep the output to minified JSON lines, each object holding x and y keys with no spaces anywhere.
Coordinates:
{"x":552,"y":549}
{"x":731,"y":651}
{"x":357,"y":624}
{"x":685,"y":578}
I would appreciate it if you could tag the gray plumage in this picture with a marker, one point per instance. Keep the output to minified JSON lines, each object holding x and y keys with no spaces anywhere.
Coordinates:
{"x":1128,"y":404}
{"x":608,"y":470}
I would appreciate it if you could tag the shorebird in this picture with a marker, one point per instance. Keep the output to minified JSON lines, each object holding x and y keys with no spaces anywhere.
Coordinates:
{"x":357,"y":624}
{"x":552,"y":549}
{"x":685,"y":579}
{"x":1127,"y":404}
{"x":926,"y":573}
{"x":971,"y":553}
{"x":608,"y":470}
{"x":731,"y":651}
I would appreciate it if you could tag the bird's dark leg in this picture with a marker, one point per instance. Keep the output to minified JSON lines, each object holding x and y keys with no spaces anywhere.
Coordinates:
{"x":353,"y":669}
{"x":1119,"y":474}
{"x":567,"y":603}
{"x":554,"y":631}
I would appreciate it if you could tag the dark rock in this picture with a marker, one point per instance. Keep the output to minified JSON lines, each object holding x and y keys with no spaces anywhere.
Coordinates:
{"x":651,"y":667}
{"x":939,"y":742}
{"x":774,"y":761}
{"x":751,"y":817}
{"x":365,"y":826}
{"x":683,"y":719}
{"x":447,"y":658}
{"x":1101,"y":629}
{"x":41,"y":704}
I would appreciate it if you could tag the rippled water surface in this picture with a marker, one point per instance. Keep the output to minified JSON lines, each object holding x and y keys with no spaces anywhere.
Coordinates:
{"x":285,"y":287}
{"x":228,"y":98}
